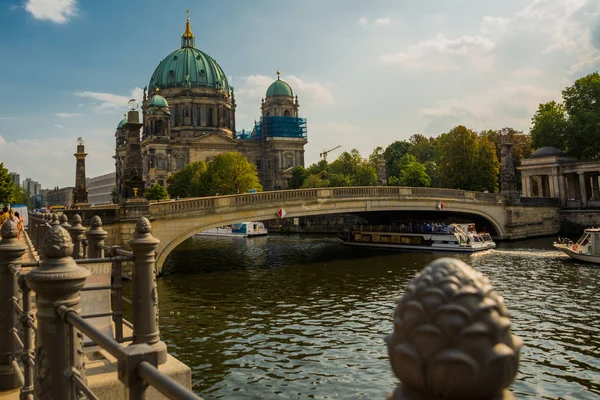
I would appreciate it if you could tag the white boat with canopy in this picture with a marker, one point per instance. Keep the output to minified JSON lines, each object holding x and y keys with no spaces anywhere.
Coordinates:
{"x":587,"y":248}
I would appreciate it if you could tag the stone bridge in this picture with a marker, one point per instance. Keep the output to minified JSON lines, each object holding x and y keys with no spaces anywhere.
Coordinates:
{"x":175,"y":221}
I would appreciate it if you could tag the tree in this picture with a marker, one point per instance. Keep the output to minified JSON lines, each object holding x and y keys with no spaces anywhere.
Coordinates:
{"x":187,"y":179}
{"x":582,"y":104}
{"x":19,"y":196}
{"x":414,"y":175}
{"x":6,"y":185}
{"x":374,"y":156}
{"x":392,"y":154}
{"x":549,"y":126}
{"x":156,"y":192}
{"x":299,"y":175}
{"x":318,"y":167}
{"x":229,"y":173}
{"x":467,"y":161}
{"x":422,"y":148}
{"x":114,"y":195}
{"x":357,"y":170}
{"x":315,"y":181}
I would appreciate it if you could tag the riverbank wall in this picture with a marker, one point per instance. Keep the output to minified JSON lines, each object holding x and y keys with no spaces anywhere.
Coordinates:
{"x":573,"y":222}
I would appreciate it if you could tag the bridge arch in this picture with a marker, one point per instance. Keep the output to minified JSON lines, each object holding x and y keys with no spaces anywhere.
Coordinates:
{"x":173,"y":231}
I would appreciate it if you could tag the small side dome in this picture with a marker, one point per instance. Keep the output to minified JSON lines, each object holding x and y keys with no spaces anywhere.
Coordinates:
{"x":548,"y":151}
{"x":122,"y":123}
{"x":279,"y":88}
{"x":158,"y":101}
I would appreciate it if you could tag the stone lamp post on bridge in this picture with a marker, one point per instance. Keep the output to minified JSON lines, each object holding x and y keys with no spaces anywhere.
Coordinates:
{"x":80,"y":192}
{"x":134,"y":204}
{"x":508,"y":181}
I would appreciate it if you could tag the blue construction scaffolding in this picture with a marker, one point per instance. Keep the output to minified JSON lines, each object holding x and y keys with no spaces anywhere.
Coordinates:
{"x":288,"y":127}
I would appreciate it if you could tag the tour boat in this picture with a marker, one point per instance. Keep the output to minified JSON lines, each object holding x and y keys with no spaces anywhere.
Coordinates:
{"x":242,"y":229}
{"x":453,"y":237}
{"x":587,"y":248}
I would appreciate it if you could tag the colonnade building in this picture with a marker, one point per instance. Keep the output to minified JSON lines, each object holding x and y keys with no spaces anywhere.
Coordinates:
{"x":549,"y":172}
{"x":189,"y":115}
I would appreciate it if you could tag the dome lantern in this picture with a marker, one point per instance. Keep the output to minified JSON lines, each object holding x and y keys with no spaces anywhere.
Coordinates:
{"x":187,"y":39}
{"x":280,"y":88}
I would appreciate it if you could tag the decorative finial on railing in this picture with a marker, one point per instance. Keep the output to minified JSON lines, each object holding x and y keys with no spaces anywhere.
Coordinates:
{"x":143,"y":226}
{"x":9,"y":230}
{"x":452,"y":336}
{"x":96,"y":236}
{"x":54,"y":220}
{"x":76,"y":220}
{"x":57,"y":243}
{"x":63,"y":221}
{"x":96,"y":222}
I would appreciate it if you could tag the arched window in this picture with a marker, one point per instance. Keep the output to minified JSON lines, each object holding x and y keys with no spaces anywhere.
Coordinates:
{"x":180,"y":161}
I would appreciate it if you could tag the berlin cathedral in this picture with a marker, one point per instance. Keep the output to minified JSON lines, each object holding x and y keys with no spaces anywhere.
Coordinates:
{"x":189,"y":115}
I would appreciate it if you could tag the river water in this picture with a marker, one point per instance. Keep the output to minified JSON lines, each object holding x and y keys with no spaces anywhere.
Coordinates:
{"x":293,"y":316}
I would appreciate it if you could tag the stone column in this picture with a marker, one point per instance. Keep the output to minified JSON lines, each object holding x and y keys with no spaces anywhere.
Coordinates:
{"x":528,"y":186}
{"x":595,"y":188}
{"x":11,"y":251}
{"x":59,"y":346}
{"x":582,"y":190}
{"x":562,"y":187}
{"x":145,"y":293}
{"x":555,"y":186}
{"x":96,"y":236}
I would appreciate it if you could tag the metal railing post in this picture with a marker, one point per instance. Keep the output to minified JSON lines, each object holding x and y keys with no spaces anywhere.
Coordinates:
{"x":11,"y":251}
{"x":27,"y":358}
{"x":76,"y":231}
{"x":145,"y":294}
{"x":59,"y":347}
{"x":95,"y":237}
{"x":117,"y":277}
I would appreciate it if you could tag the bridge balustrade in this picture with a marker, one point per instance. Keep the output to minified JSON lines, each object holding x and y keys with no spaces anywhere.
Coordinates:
{"x":451,"y":332}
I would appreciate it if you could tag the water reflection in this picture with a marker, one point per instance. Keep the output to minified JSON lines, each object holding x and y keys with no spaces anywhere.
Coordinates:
{"x":304,"y":317}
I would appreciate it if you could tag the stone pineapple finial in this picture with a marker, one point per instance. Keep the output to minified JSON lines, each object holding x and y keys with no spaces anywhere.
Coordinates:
{"x":452,"y":336}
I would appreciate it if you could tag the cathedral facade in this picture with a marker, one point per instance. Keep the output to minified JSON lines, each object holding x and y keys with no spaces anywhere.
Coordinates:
{"x":189,"y":115}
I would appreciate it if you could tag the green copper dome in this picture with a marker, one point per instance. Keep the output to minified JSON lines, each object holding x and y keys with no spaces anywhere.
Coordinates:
{"x":122,"y":123}
{"x":188,"y":67}
{"x":279,"y":88}
{"x":158,"y":101}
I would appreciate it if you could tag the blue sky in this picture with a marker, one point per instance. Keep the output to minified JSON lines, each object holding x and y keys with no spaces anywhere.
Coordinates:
{"x":366,"y":73}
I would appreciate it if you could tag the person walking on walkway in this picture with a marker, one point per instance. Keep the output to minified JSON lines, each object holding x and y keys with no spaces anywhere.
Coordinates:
{"x":19,"y":224}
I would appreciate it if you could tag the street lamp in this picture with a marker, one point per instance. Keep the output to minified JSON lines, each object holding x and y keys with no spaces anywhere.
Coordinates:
{"x":132,"y":104}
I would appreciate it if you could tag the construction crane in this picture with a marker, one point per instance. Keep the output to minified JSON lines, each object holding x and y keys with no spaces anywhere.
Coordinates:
{"x":325,"y":152}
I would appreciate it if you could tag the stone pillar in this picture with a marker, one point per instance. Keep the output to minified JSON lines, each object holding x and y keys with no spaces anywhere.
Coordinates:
{"x":555,"y":186}
{"x":80,"y":193}
{"x":595,"y":187}
{"x":467,"y":351}
{"x":582,"y":187}
{"x":133,"y":185}
{"x":59,"y":346}
{"x":145,"y":293}
{"x":54,"y":220}
{"x":562,"y":188}
{"x":63,"y":221}
{"x":96,"y":236}
{"x":76,"y":231}
{"x":11,"y":251}
{"x":528,"y":187}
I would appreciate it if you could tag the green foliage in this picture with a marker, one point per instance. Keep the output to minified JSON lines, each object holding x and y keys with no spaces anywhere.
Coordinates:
{"x":414,"y":174}
{"x":374,"y":156}
{"x":228,"y":173}
{"x":299,"y":175}
{"x":19,"y":196}
{"x":521,"y":146}
{"x":467,"y":161}
{"x":315,"y":181}
{"x":549,"y":126}
{"x":187,"y":181}
{"x":582,"y":103}
{"x":392,"y":154}
{"x":422,"y":148}
{"x":318,"y":167}
{"x":156,"y":192}
{"x":6,"y":185}
{"x":432,"y":172}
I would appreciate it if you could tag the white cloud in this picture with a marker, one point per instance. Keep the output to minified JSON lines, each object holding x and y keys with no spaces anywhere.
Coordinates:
{"x":444,"y":54}
{"x":58,"y":126}
{"x":508,"y":104}
{"x":527,"y":72}
{"x":59,"y":11}
{"x":110,"y":101}
{"x":8,"y":118}
{"x":378,"y":22}
{"x":68,"y":115}
{"x":254,"y":87}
